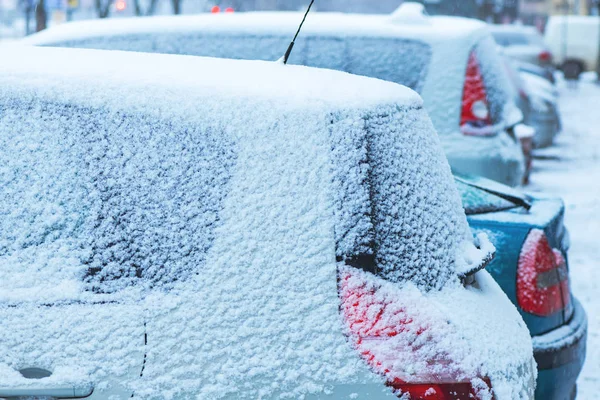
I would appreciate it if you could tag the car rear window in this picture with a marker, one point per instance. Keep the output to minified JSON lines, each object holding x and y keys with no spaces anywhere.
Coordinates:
{"x":398,"y":212}
{"x":403,"y":61}
{"x":510,"y":39}
{"x":478,"y":201}
{"x":506,"y":39}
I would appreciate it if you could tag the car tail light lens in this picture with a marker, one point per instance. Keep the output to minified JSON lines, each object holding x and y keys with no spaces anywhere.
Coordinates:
{"x":450,"y":391}
{"x":545,"y":56}
{"x":542,"y":277}
{"x":475,"y":118}
{"x":374,"y":320}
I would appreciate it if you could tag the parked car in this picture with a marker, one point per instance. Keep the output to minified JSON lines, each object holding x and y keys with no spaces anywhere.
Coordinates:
{"x":538,"y":100}
{"x":181,"y":227}
{"x":574,"y":41}
{"x":451,"y":62}
{"x":532,"y":268}
{"x":522,"y":43}
{"x":547,"y":74}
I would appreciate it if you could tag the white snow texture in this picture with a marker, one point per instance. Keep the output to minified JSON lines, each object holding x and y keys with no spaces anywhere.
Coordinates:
{"x":203,"y":203}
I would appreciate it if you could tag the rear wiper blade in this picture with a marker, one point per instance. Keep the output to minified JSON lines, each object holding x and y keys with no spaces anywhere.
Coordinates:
{"x":513,"y":199}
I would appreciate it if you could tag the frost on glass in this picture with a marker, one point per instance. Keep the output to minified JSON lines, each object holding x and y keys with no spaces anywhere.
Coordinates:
{"x":111,"y":197}
{"x":477,"y":201}
{"x":403,"y":61}
{"x":398,"y":206}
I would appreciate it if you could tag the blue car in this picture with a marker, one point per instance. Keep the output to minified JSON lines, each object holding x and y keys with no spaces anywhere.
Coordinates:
{"x":531,"y":266}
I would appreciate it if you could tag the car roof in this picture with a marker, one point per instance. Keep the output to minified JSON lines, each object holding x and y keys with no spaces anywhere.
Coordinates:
{"x":432,"y":28}
{"x":124,"y":73}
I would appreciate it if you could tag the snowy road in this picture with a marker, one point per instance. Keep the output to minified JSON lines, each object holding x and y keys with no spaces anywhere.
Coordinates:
{"x":572,"y":171}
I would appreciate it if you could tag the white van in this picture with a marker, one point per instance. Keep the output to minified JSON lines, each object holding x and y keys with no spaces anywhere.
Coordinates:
{"x":183,"y":228}
{"x":451,"y":62}
{"x":574,"y":42}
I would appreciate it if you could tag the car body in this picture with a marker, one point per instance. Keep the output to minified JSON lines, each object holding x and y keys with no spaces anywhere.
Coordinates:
{"x":526,"y":231}
{"x":428,"y":54}
{"x":575,"y":41}
{"x":538,"y":100}
{"x":180,"y":227}
{"x":523,"y":43}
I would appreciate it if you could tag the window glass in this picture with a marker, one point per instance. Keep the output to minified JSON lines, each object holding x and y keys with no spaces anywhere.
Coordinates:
{"x":398,"y":60}
{"x":401,"y":61}
{"x":477,"y":201}
{"x":104,"y":199}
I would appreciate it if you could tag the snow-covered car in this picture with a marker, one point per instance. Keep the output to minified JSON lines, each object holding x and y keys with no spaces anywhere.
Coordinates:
{"x":451,"y":62}
{"x":538,"y":100}
{"x":184,"y":227}
{"x":523,"y":43}
{"x":532,"y":268}
{"x":545,"y":73}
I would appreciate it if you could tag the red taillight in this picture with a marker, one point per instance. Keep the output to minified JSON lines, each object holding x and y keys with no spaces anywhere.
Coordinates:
{"x":229,"y":10}
{"x":449,"y":391}
{"x":545,"y":56}
{"x":542,"y":277}
{"x":475,"y":118}
{"x":389,"y":337}
{"x":215,"y":10}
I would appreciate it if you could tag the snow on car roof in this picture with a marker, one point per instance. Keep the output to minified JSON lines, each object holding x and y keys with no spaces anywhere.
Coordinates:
{"x":261,"y":22}
{"x":238,"y":78}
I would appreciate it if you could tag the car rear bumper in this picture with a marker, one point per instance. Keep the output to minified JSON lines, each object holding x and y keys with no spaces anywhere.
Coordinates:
{"x":560,"y":355}
{"x":547,"y":126}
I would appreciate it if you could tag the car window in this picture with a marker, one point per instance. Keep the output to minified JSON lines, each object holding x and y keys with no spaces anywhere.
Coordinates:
{"x":403,"y":61}
{"x":510,"y":39}
{"x":141,"y":43}
{"x":506,"y":39}
{"x":113,"y":199}
{"x":478,"y":201}
{"x":234,"y":46}
{"x":398,"y":212}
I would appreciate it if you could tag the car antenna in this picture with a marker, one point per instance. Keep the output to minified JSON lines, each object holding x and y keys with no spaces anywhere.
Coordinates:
{"x":291,"y":46}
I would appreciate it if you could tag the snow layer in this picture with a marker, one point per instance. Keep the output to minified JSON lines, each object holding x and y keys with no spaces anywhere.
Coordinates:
{"x":170,"y":227}
{"x":450,"y":40}
{"x":428,"y":55}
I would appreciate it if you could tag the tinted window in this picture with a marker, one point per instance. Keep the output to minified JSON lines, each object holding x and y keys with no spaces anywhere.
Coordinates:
{"x":477,"y":201}
{"x":266,"y":48}
{"x":510,"y":39}
{"x":398,"y":60}
{"x":506,"y":39}
{"x":401,"y":61}
{"x":140,"y":43}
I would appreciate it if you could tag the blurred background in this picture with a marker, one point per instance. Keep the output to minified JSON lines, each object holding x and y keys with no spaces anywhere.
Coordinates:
{"x":22,"y":17}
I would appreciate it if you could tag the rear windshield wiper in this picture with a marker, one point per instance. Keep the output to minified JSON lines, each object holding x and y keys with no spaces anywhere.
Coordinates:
{"x":509,"y":197}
